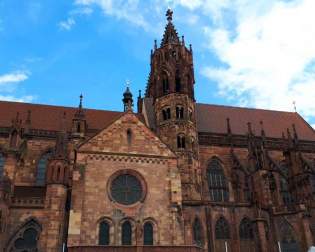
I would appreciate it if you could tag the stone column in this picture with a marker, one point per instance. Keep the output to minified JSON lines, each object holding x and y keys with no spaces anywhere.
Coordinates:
{"x":261,"y":235}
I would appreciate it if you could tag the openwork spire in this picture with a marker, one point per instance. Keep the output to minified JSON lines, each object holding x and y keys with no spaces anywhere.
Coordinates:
{"x":80,"y":113}
{"x":170,"y":34}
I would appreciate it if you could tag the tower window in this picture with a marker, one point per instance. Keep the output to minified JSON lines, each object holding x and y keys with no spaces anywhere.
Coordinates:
{"x":179,"y":112}
{"x":104,"y":233}
{"x":177,"y":82}
{"x":181,"y":141}
{"x":166,"y":88}
{"x":166,"y":114}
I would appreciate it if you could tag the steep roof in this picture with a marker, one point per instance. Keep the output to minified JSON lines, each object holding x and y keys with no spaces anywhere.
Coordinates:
{"x":213,"y":118}
{"x":48,"y":117}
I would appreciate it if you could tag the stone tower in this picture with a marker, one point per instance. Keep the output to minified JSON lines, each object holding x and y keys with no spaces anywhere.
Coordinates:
{"x":171,"y":88}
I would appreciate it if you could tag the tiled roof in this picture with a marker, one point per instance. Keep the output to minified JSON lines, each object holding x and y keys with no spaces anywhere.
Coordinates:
{"x":213,"y":118}
{"x":48,"y":117}
{"x":210,"y":118}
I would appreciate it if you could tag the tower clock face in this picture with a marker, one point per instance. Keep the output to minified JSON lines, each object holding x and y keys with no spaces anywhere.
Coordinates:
{"x":126,"y":189}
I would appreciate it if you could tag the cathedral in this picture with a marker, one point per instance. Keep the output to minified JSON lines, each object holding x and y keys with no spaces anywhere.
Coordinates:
{"x":175,"y":175}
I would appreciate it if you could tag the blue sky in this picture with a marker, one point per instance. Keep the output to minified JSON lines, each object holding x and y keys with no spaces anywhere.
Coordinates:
{"x":246,"y":53}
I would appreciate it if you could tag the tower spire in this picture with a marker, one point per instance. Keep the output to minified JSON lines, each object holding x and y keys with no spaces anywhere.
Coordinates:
{"x":170,"y":34}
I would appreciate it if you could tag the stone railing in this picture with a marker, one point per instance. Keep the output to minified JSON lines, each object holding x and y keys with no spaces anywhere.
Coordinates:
{"x":135,"y":249}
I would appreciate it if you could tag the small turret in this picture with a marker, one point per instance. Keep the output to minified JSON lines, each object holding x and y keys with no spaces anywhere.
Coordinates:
{"x":127,"y":100}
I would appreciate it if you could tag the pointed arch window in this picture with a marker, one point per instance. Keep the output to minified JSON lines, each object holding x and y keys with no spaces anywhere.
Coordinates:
{"x":148,"y":233}
{"x":218,"y":186}
{"x":222,"y":229}
{"x":288,"y":240}
{"x":165,"y":84}
{"x":26,"y":239}
{"x":126,"y":233}
{"x":1,"y":165}
{"x":13,"y":140}
{"x":286,"y":195}
{"x":166,"y":114}
{"x":181,"y":142}
{"x":198,"y":232}
{"x":41,"y":169}
{"x":246,"y":229}
{"x":104,"y":235}
{"x":178,"y":86}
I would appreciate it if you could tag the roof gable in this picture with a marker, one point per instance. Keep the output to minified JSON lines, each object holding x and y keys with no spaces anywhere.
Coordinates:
{"x":114,"y":139}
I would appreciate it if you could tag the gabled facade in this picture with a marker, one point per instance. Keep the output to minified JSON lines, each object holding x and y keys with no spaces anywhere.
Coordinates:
{"x":175,"y":176}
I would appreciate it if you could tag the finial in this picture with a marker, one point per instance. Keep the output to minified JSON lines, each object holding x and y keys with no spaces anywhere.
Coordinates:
{"x":183,"y":40}
{"x":294,"y":106}
{"x":81,"y":98}
{"x":155,"y":44}
{"x":139,"y":93}
{"x":190,"y":47}
{"x":262,"y":129}
{"x":169,"y":15}
{"x":228,"y":125}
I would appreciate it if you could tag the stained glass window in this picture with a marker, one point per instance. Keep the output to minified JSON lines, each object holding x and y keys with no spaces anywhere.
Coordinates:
{"x":222,"y":229}
{"x":218,"y":186}
{"x":41,"y":169}
{"x":148,"y":234}
{"x":246,"y":229}
{"x":197,"y":232}
{"x":126,"y":233}
{"x":126,"y":189}
{"x":104,"y":233}
{"x":1,"y":165}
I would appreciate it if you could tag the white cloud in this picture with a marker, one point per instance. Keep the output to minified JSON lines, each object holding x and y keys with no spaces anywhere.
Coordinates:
{"x":313,"y":125}
{"x":269,"y":57}
{"x":13,"y":77}
{"x":67,"y":24}
{"x":120,"y":9}
{"x":8,"y":84}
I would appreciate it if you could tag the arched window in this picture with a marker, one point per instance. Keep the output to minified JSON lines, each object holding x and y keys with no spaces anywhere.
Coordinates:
{"x":165,"y":84}
{"x":179,"y":112}
{"x":129,"y":136}
{"x":246,"y":234}
{"x":218,"y":186}
{"x":181,"y":144}
{"x":222,"y":229}
{"x":166,"y":114}
{"x":288,"y":241}
{"x":26,"y":238}
{"x":177,"y":82}
{"x":1,"y":165}
{"x":103,"y":235}
{"x":198,"y":232}
{"x":126,"y":233}
{"x":148,"y":234}
{"x":41,"y":169}
{"x":246,"y":229}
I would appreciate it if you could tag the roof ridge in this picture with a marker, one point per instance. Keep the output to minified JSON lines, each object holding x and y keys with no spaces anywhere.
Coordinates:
{"x":56,"y":106}
{"x":245,"y":108}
